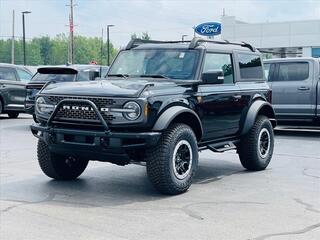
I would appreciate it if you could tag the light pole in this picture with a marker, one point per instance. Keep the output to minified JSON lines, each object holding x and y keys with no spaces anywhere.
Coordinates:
{"x":108,"y":42}
{"x":183,"y":36}
{"x":24,"y":36}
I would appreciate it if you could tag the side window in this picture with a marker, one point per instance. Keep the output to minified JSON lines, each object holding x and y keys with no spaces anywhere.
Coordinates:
{"x":250,"y":66}
{"x":219,"y":62}
{"x":295,"y":71}
{"x":23,"y":75}
{"x":7,"y":74}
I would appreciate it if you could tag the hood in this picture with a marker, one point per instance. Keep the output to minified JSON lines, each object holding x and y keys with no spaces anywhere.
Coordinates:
{"x":131,"y":87}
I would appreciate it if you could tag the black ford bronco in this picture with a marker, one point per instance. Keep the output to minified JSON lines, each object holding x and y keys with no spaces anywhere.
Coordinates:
{"x":162,"y":103}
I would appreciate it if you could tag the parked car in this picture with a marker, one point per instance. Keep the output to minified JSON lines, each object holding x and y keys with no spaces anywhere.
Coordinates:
{"x":161,"y":103}
{"x":295,"y":84}
{"x":59,"y":74}
{"x":13,"y":79}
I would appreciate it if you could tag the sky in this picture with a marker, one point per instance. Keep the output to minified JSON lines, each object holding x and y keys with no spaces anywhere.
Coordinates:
{"x":162,"y":19}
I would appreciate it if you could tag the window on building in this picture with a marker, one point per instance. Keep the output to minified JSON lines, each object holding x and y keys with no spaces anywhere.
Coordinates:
{"x":219,"y":62}
{"x":297,"y":71}
{"x":316,"y":52}
{"x":250,"y":66}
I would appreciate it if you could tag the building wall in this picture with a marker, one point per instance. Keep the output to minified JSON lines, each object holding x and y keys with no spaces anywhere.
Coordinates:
{"x":305,"y":34}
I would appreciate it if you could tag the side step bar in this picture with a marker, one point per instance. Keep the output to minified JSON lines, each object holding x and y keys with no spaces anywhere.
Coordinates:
{"x":222,"y":146}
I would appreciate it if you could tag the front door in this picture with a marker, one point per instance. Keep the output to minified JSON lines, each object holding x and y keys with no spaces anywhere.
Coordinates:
{"x":219,"y":108}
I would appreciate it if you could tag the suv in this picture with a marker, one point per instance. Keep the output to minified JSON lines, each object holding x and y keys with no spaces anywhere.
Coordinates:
{"x":13,"y":79}
{"x":59,"y":74}
{"x":161,"y":103}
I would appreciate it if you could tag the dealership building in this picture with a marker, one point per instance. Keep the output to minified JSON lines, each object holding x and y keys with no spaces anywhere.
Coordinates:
{"x":278,"y":39}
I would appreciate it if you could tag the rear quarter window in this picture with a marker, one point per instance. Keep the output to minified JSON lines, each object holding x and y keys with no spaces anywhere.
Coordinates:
{"x":250,"y":67}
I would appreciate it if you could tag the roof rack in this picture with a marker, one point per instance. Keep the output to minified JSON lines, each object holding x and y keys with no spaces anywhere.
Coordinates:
{"x":195,"y":42}
{"x":192,"y":44}
{"x":136,"y":42}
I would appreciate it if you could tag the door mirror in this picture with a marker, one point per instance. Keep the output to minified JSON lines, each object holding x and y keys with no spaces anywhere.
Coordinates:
{"x":213,"y":77}
{"x":93,"y":75}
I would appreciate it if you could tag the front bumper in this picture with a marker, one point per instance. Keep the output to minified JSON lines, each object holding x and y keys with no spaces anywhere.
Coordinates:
{"x":95,"y":145}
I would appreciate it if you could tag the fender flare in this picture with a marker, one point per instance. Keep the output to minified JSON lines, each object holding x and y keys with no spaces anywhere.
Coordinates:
{"x":170,"y":114}
{"x":253,"y":113}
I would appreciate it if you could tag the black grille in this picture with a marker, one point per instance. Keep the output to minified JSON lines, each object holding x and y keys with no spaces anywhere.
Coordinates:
{"x":99,"y":102}
{"x":82,"y":111}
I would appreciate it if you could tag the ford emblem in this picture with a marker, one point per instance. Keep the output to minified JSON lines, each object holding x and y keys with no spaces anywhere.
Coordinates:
{"x":208,"y":29}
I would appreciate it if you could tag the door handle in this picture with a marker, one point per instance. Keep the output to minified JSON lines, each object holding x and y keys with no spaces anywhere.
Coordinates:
{"x":303,"y":88}
{"x":237,"y":97}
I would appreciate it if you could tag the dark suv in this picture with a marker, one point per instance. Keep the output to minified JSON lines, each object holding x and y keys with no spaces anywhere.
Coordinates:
{"x":59,"y":74}
{"x":161,"y":103}
{"x":13,"y":80}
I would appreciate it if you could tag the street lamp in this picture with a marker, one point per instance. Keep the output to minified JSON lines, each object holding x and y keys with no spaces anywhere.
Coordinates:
{"x":108,"y":42}
{"x":24,"y":36}
{"x":183,"y":36}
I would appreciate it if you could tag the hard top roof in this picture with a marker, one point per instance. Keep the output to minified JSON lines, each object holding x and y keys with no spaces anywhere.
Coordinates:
{"x":193,"y":44}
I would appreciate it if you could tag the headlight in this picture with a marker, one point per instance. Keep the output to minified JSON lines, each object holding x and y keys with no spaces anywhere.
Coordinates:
{"x":42,"y":107}
{"x":133,"y":111}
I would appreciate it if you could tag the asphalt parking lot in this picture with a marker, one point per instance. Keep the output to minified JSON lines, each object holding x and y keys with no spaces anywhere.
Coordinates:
{"x":111,"y":202}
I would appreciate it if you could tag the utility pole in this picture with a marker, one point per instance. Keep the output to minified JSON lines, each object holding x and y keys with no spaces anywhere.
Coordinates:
{"x":24,"y":36}
{"x":12,"y":43}
{"x":71,"y":35}
{"x":108,"y":43}
{"x":101,"y":52}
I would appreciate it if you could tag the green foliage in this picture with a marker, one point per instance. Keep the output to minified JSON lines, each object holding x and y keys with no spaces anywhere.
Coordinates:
{"x":144,"y":36}
{"x":54,"y":51}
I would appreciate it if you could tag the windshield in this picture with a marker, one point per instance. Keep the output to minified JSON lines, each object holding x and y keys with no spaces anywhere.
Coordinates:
{"x":175,"y":64}
{"x":39,"y":77}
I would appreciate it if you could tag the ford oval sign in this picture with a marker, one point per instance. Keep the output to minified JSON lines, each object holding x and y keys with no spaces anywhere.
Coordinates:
{"x":208,"y":29}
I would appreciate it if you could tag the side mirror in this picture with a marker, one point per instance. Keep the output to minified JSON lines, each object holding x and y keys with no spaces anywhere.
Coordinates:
{"x":93,"y":75}
{"x":213,"y":77}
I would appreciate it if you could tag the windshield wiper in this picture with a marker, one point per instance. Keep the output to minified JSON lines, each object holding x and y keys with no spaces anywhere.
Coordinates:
{"x":154,"y":76}
{"x":118,"y":75}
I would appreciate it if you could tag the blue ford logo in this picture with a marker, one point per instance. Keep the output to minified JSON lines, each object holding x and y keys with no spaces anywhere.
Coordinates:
{"x":208,"y":29}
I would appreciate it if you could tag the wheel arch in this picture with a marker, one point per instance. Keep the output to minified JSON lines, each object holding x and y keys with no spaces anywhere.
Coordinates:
{"x":179,"y":114}
{"x":258,"y":107}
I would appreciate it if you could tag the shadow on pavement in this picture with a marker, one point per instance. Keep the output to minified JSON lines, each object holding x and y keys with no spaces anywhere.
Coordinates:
{"x":105,"y":186}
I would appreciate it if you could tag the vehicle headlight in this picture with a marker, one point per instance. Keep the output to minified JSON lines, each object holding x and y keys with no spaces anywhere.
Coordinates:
{"x":43,"y":107}
{"x":132,"y":111}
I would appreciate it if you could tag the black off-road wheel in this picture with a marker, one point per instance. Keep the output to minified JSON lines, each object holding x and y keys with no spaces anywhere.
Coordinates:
{"x":13,"y":114}
{"x":256,"y":147}
{"x":59,"y":167}
{"x":172,"y":164}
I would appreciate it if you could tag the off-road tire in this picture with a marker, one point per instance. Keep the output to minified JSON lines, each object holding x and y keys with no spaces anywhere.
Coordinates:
{"x":159,"y":160}
{"x":55,"y":166}
{"x":13,"y":114}
{"x":249,"y":149}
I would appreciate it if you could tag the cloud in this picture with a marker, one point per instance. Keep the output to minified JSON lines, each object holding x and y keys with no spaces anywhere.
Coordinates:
{"x":162,"y":19}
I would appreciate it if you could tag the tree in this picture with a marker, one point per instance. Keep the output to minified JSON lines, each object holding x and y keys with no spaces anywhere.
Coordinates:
{"x":143,"y":36}
{"x":54,"y":51}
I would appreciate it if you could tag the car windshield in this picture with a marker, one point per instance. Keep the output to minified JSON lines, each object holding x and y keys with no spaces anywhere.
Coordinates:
{"x":40,"y":77}
{"x":156,"y":63}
